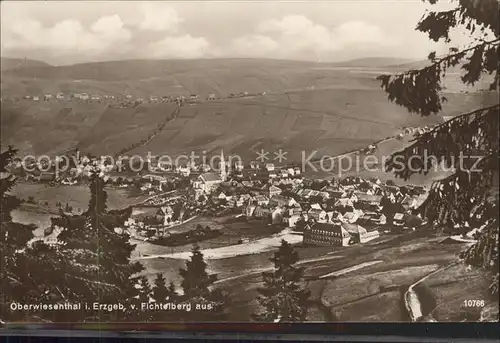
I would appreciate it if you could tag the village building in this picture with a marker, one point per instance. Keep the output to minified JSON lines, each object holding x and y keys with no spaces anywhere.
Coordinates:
{"x":359,"y":234}
{"x":208,"y":182}
{"x":270,"y":167}
{"x":408,"y":131}
{"x":157,"y":180}
{"x":261,"y":200}
{"x":399,"y":219}
{"x":166,"y":213}
{"x":368,"y":201}
{"x":249,"y":210}
{"x":344,"y":203}
{"x":239,"y":166}
{"x":326,"y":234}
{"x":278,"y":201}
{"x":352,"y":217}
{"x":211,"y":97}
{"x":273,"y":190}
{"x":292,"y":220}
{"x":277,"y":215}
{"x":47,"y":97}
{"x":318,"y":215}
{"x":263,"y":214}
{"x":36,"y":98}
{"x":68,"y":181}
{"x":184,"y":170}
{"x":254,"y":165}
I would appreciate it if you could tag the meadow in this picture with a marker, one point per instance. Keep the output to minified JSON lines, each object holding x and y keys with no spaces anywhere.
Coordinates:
{"x":306,"y":107}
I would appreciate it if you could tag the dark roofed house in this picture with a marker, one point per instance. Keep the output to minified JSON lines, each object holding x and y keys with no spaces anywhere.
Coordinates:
{"x":263,"y":213}
{"x":399,"y":219}
{"x":368,"y":201}
{"x":273,"y":190}
{"x":278,"y":200}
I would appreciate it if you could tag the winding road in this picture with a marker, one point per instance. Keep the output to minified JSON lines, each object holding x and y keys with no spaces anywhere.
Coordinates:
{"x":412,"y":299}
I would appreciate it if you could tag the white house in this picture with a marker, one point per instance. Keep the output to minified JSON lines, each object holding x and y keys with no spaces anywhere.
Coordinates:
{"x":277,"y":215}
{"x":167,"y":212}
{"x":270,"y":167}
{"x":273,"y":190}
{"x":352,"y":217}
{"x":184,"y":171}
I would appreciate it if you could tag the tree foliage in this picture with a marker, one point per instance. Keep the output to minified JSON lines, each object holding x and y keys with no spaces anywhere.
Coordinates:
{"x":16,"y":283}
{"x":281,"y":297}
{"x":467,"y":144}
{"x":161,"y":292}
{"x":95,"y":258}
{"x":198,"y":288}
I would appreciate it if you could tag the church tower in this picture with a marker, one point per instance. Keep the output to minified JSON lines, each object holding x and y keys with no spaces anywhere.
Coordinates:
{"x":223,"y":167}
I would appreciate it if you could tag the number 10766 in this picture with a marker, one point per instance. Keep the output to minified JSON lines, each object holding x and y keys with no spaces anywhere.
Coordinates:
{"x":473,"y":303}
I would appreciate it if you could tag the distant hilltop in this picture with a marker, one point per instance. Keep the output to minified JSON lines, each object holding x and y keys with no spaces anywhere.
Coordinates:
{"x":7,"y":63}
{"x":148,"y":66}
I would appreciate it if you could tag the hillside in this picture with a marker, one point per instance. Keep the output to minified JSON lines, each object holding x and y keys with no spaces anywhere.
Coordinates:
{"x":7,"y":63}
{"x":375,"y":62}
{"x":307,"y":107}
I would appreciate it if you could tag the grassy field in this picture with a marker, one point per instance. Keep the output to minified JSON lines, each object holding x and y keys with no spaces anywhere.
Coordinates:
{"x":76,"y":196}
{"x":368,"y":294}
{"x":458,"y":284}
{"x":307,"y":107}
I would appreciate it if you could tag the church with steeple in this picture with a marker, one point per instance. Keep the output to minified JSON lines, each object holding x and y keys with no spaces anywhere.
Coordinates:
{"x":208,"y":182}
{"x":223,"y":166}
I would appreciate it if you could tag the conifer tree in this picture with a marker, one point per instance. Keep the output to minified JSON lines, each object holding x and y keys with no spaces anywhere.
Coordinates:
{"x":195,"y":278}
{"x":470,"y":194}
{"x":282,"y":297}
{"x":197,"y":285}
{"x":162,"y":294}
{"x":13,"y":240}
{"x":95,"y":258}
{"x":172,"y":291}
{"x":144,"y":295}
{"x":160,"y":291}
{"x":146,"y":291}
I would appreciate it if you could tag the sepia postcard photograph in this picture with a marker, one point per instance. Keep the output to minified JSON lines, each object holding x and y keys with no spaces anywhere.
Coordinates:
{"x":249,"y":161}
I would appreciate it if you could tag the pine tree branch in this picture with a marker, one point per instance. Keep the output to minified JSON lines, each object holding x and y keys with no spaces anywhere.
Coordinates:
{"x":452,"y":120}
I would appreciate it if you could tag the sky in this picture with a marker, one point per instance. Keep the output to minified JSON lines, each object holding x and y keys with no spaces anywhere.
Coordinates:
{"x":67,"y":32}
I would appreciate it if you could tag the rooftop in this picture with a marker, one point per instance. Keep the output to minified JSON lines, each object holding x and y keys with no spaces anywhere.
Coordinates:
{"x":207,"y":177}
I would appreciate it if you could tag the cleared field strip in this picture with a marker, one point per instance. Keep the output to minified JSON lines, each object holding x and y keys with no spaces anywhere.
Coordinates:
{"x":350,"y":269}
